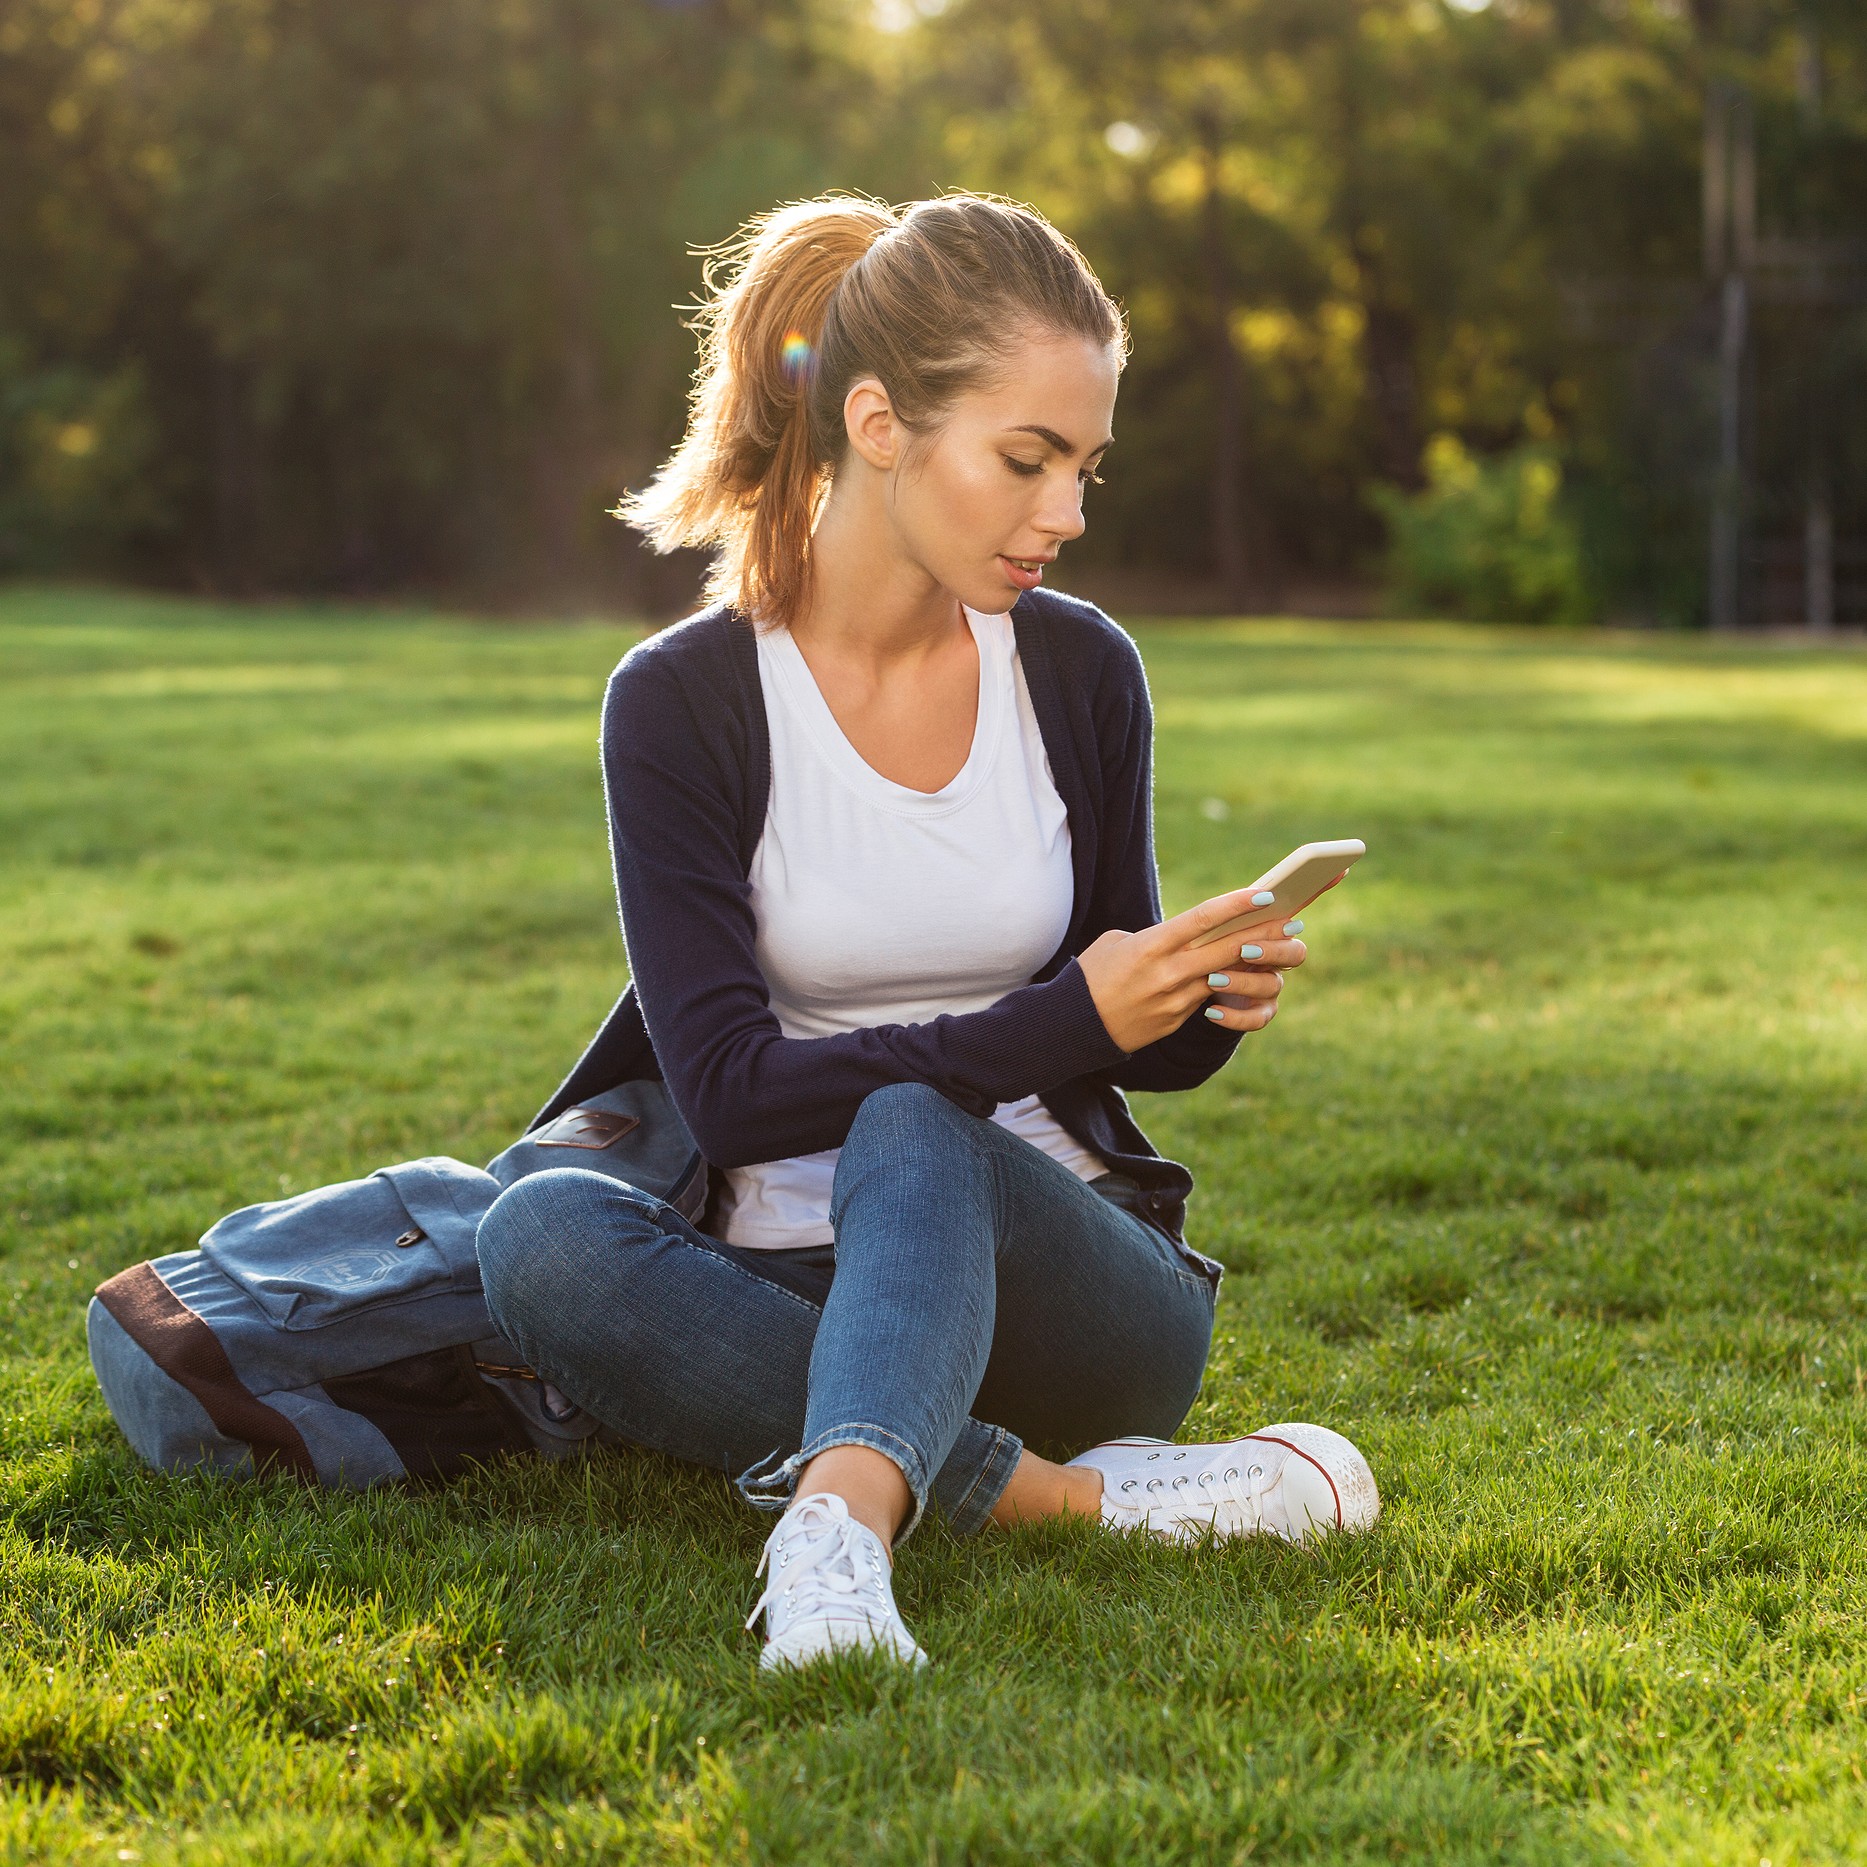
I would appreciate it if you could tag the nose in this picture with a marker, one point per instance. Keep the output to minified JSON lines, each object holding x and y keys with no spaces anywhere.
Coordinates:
{"x":1062,"y":514}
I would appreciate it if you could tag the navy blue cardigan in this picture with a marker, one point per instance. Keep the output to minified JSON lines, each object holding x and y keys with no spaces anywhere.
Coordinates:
{"x":687,"y":774}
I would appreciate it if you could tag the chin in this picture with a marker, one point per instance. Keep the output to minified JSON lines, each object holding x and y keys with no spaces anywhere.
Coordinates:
{"x":991,"y":596}
{"x":987,"y":590}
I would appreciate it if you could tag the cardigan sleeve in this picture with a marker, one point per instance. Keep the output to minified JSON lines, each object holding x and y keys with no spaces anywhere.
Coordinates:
{"x":1128,"y":885}
{"x":674,"y":782}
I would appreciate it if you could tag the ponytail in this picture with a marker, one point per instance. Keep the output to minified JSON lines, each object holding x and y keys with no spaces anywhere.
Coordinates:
{"x":806,"y":301}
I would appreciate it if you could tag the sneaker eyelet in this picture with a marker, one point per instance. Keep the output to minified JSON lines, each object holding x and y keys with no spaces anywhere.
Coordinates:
{"x":1153,"y":1484}
{"x":1152,"y":1456}
{"x":1231,"y":1474}
{"x":1180,"y":1482}
{"x":1178,"y":1456}
{"x":1257,"y":1471}
{"x":1130,"y":1484}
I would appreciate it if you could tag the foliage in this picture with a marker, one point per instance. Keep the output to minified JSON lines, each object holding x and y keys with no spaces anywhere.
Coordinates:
{"x":1476,"y":220}
{"x":1546,"y":1186}
{"x":405,"y":275}
{"x":82,"y":471}
{"x":397,"y":284}
{"x":1487,"y":538}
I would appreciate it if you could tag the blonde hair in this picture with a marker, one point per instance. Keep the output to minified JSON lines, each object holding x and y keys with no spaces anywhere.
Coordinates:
{"x":928,"y":299}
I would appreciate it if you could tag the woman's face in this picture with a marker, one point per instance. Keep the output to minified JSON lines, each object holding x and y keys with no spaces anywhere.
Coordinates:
{"x":989,"y":498}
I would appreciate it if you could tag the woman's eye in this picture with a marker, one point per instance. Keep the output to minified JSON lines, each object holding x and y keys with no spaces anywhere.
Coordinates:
{"x":1090,"y":477}
{"x":1026,"y":467}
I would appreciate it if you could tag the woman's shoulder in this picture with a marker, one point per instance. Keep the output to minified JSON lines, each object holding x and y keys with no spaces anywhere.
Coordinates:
{"x":698,"y":650}
{"x":701,"y":670}
{"x":683,"y":724}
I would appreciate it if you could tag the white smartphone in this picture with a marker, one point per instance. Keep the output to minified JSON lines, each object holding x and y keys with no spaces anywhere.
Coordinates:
{"x":1295,"y":882}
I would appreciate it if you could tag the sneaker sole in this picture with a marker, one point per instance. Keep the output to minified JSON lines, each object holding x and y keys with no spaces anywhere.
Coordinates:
{"x":777,"y":1657}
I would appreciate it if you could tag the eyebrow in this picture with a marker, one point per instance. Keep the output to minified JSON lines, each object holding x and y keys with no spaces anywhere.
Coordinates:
{"x":1051,"y":438}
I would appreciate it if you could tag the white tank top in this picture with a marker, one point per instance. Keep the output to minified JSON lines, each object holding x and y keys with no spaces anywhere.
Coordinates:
{"x":877,"y":904}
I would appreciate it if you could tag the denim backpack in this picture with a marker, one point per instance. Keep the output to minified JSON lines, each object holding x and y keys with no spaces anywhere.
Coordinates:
{"x":342,"y":1334}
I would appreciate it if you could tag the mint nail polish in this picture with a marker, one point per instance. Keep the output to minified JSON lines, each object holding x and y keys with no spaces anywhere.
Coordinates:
{"x":1293,"y":927}
{"x":1218,"y":980}
{"x":1250,"y":952}
{"x":1215,"y":1014}
{"x":1263,"y":898}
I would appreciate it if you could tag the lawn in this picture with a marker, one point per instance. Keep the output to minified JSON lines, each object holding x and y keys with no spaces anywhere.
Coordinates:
{"x":1546,"y":1187}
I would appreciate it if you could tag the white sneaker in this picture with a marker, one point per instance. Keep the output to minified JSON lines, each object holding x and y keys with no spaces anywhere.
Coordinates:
{"x":830,"y":1588}
{"x":1290,"y":1480}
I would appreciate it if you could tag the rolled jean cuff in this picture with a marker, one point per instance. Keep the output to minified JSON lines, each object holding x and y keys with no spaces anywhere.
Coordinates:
{"x":771,"y":1486}
{"x":973,"y":1479}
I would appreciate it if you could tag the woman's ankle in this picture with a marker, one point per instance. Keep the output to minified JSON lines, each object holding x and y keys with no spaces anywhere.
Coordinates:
{"x":1039,"y":1489}
{"x":869,"y":1482}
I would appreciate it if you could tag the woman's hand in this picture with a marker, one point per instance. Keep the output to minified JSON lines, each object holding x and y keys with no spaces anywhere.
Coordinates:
{"x":1148,"y":984}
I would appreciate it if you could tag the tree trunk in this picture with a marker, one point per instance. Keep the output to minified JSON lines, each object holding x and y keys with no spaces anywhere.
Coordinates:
{"x":1231,"y":554}
{"x":236,"y":480}
{"x":1390,"y":343}
{"x":568,"y":469}
{"x":1389,"y":335}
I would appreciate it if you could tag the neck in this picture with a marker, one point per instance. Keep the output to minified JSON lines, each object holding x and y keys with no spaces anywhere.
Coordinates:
{"x":869,"y":601}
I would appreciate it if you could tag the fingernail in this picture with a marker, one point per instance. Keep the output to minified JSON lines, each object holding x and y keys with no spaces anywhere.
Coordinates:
{"x":1263,"y":898}
{"x":1215,"y":1014}
{"x":1218,"y":980}
{"x":1270,"y":1011}
{"x":1250,"y":952}
{"x":1293,"y":927}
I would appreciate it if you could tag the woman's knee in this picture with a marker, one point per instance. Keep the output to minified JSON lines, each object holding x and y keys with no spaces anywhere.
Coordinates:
{"x":904,"y":1114}
{"x":538,"y":1238}
{"x":908,"y":1135}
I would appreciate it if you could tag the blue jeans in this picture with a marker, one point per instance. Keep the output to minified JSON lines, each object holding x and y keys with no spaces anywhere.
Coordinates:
{"x":978,"y":1294}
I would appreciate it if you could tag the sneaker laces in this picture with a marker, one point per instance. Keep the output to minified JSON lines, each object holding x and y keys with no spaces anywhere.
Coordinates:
{"x":1229,"y":1489}
{"x":1235,"y":1491}
{"x":822,"y":1563}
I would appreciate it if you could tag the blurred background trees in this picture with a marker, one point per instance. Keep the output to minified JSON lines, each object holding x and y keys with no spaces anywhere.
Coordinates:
{"x":297,"y":294}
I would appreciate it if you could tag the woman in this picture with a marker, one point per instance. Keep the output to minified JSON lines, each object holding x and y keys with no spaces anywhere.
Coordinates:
{"x":881,"y":828}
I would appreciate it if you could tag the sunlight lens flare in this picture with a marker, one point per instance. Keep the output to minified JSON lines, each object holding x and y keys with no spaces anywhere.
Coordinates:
{"x":794,"y":355}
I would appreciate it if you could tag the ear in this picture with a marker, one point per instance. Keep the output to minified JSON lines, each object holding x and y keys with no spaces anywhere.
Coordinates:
{"x":871,"y":424}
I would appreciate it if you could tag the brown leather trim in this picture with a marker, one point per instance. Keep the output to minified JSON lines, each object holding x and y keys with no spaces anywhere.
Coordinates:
{"x":185,"y":1349}
{"x":591,"y":1128}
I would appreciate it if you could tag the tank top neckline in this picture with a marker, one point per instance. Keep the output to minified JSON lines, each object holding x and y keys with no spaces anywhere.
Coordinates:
{"x":783,"y":662}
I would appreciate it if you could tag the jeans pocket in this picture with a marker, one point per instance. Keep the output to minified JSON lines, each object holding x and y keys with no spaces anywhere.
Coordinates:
{"x":1208,"y":1271}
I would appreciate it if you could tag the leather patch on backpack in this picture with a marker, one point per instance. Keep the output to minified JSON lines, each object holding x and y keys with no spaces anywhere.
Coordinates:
{"x":591,"y":1128}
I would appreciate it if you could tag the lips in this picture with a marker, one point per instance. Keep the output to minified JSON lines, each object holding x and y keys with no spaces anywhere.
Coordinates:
{"x":1026,"y":573}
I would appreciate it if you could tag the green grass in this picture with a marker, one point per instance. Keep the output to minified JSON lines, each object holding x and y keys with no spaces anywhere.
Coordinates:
{"x":1546,"y":1187}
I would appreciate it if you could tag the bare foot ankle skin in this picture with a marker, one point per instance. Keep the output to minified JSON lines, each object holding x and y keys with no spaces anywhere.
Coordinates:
{"x":870,"y":1483}
{"x":1040,"y":1489}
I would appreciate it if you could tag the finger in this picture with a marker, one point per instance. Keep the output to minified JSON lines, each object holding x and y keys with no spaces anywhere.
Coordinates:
{"x":1244,"y":986}
{"x":1197,"y":922}
{"x":1253,"y":1018}
{"x":1267,"y":948}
